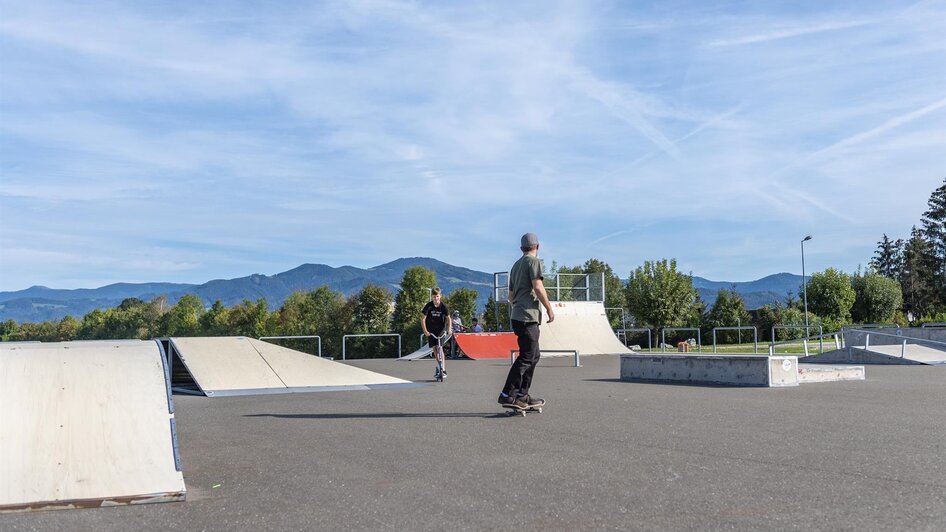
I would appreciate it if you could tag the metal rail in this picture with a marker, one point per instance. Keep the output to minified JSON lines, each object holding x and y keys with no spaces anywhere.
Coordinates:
{"x":899,"y":336}
{"x":512,"y":354}
{"x":650,"y":343}
{"x":755,"y":335}
{"x":294,"y":338}
{"x":933,"y":325}
{"x":347,"y":336}
{"x":806,"y":327}
{"x":663,"y":337}
{"x":837,"y":342}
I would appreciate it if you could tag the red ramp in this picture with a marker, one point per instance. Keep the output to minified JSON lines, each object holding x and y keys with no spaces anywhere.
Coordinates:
{"x":486,"y":345}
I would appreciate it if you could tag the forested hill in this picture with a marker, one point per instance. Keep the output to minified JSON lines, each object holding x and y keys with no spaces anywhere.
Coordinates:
{"x":39,"y":303}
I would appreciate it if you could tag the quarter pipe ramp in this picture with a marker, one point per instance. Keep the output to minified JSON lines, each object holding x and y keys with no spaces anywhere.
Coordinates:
{"x":86,"y":424}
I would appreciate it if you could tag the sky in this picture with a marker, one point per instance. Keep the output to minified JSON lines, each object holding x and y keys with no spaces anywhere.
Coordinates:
{"x":190,"y":141}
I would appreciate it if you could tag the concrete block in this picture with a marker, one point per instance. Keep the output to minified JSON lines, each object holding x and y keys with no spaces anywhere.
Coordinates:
{"x":731,"y":370}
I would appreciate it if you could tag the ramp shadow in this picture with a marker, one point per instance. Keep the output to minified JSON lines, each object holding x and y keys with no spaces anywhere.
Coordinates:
{"x":383,"y":415}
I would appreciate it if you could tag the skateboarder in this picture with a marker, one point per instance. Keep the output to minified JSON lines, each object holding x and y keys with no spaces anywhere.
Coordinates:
{"x":526,"y":293}
{"x":436,"y":320}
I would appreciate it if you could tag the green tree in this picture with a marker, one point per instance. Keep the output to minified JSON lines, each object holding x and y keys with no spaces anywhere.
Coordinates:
{"x":183,"y":319}
{"x":249,"y":319}
{"x":92,"y":326}
{"x":774,"y":315}
{"x":888,"y":258}
{"x":410,"y":300}
{"x":215,"y":321}
{"x":322,"y":312}
{"x":660,"y":296}
{"x":917,"y":278}
{"x":489,"y":316}
{"x":729,"y":310}
{"x":463,"y":300}
{"x":934,"y":230}
{"x":371,"y":314}
{"x":67,"y":329}
{"x":831,"y":296}
{"x":876,"y":298}
{"x":7,"y":329}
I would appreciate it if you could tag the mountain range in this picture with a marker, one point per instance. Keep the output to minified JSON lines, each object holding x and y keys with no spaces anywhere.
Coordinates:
{"x":39,"y":303}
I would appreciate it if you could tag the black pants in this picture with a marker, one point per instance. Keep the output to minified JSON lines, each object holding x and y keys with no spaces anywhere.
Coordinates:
{"x":520,"y":374}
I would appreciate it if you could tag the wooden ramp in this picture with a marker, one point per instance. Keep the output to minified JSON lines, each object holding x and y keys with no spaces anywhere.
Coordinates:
{"x":86,"y":424}
{"x":236,"y":365}
{"x":487,"y":345}
{"x":580,"y":325}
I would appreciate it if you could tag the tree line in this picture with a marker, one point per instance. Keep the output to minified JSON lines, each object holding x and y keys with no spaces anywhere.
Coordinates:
{"x":904,"y":283}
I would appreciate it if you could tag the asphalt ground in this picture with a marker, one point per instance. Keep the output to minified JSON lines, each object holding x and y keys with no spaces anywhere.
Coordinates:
{"x":605,"y":454}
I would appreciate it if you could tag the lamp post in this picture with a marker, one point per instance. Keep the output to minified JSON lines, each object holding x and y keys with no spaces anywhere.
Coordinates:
{"x":804,"y":280}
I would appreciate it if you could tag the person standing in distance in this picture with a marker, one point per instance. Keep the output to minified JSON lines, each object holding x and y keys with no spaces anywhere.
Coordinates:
{"x":526,"y":293}
{"x":435,"y":320}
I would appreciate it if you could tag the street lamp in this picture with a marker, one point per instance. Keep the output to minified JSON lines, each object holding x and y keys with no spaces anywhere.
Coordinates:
{"x":804,"y":281}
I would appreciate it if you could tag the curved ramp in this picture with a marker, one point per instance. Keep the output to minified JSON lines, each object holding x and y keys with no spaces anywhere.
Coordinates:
{"x":580,"y":325}
{"x":423,"y":352}
{"x":236,"y":365}
{"x":86,"y":424}
{"x":882,"y":354}
{"x":488,"y":345}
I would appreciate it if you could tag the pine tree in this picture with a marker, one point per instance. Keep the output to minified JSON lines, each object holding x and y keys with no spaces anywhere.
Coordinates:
{"x":917,"y":275}
{"x":934,"y":230}
{"x":888,"y":258}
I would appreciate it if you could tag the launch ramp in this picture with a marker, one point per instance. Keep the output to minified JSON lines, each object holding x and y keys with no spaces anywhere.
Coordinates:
{"x":236,"y":365}
{"x":86,"y":424}
{"x":581,"y":326}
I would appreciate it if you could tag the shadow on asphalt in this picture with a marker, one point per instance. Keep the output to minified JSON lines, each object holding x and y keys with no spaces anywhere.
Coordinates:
{"x":380,"y":415}
{"x":674,"y":383}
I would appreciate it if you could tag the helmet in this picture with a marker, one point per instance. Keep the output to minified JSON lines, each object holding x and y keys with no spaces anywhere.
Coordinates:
{"x":456,"y":314}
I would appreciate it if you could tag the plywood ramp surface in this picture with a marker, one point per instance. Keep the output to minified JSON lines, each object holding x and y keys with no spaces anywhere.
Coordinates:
{"x":581,"y":325}
{"x":85,"y":424}
{"x":298,"y":370}
{"x":225,"y":363}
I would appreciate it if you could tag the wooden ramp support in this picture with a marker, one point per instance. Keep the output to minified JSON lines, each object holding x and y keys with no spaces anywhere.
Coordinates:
{"x":86,"y":425}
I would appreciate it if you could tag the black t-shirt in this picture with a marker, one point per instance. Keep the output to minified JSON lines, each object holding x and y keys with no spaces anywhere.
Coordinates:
{"x":436,"y":317}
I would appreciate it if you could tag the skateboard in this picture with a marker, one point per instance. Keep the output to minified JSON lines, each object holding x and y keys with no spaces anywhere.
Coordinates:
{"x":516,"y":411}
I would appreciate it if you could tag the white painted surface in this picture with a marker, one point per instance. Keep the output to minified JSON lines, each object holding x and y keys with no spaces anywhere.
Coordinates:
{"x":236,"y":365}
{"x":581,"y":325}
{"x":84,"y":421}
{"x":297,"y":369}
{"x":225,"y":363}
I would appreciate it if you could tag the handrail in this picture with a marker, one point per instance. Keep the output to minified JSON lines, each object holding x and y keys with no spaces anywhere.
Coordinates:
{"x":512,"y":354}
{"x":293,"y":338}
{"x":903,"y":340}
{"x":347,"y":336}
{"x":933,"y":325}
{"x":755,"y":335}
{"x":898,"y":336}
{"x":699,"y":336}
{"x":804,"y":341}
{"x":650,"y":343}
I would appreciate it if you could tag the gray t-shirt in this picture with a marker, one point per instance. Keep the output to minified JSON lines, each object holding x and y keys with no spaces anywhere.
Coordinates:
{"x":525,"y":304}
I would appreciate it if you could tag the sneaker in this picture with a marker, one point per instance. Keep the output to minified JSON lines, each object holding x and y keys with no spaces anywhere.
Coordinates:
{"x":505,"y":400}
{"x":443,"y":374}
{"x":437,"y":373}
{"x":529,"y":401}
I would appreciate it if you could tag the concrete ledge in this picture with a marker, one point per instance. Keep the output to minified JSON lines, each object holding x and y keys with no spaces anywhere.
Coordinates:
{"x":824,"y":373}
{"x":730,"y":370}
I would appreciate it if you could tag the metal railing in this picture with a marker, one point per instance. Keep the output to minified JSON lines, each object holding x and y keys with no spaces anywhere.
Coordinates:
{"x":806,"y":327}
{"x":512,"y":354}
{"x":820,"y":337}
{"x":319,"y":338}
{"x":663,"y":337}
{"x":933,"y":325}
{"x":755,"y":335}
{"x":347,"y":336}
{"x":650,"y":343}
{"x":901,"y":340}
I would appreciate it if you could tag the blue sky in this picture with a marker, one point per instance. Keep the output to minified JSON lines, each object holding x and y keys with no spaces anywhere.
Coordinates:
{"x":188,"y":141}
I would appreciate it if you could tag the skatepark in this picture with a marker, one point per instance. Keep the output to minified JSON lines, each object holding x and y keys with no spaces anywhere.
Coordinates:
{"x":264,"y":437}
